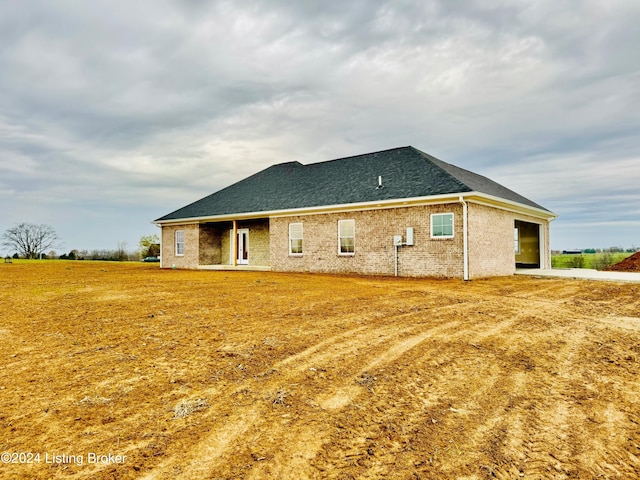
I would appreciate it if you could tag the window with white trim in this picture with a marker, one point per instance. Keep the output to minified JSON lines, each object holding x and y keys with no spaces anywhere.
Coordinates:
{"x":442,"y":225}
{"x":179,"y":243}
{"x":295,"y":239}
{"x":346,"y":237}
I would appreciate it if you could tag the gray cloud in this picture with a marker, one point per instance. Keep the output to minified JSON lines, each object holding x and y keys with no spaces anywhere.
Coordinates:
{"x":123,"y":111}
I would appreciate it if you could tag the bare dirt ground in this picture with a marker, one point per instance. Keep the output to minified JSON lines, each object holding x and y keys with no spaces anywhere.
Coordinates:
{"x":629,"y":264}
{"x":241,"y":375}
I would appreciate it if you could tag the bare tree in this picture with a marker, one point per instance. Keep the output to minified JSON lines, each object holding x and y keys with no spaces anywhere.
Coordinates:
{"x":121,"y":252}
{"x":30,"y":240}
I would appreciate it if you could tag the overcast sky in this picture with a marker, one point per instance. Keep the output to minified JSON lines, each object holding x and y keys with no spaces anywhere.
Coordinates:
{"x":114,"y":113}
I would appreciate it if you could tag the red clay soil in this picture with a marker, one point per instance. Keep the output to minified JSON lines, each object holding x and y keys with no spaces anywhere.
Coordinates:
{"x":629,"y":264}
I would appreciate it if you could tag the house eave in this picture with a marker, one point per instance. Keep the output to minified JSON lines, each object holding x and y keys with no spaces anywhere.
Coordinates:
{"x":475,"y":197}
{"x":511,"y":206}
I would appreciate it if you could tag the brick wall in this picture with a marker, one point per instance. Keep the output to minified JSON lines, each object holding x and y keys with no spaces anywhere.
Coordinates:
{"x":491,"y":241}
{"x":374,"y":250}
{"x":491,"y":250}
{"x":226,"y":245}
{"x":210,"y":243}
{"x":191,"y":247}
{"x":258,"y":241}
{"x":546,"y":248}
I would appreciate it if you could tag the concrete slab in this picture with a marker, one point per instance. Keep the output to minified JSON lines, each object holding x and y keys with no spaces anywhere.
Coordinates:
{"x":581,"y":273}
{"x":246,"y":268}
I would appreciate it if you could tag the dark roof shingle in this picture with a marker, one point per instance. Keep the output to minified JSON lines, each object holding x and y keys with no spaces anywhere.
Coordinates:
{"x":406,"y":173}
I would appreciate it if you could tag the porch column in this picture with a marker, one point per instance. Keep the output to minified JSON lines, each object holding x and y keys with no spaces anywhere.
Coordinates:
{"x":235,"y":244}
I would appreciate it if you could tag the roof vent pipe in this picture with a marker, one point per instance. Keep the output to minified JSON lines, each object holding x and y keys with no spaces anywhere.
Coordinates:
{"x":379,"y":182}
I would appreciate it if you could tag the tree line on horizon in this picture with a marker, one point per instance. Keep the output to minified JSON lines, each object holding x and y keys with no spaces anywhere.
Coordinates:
{"x":32,"y":241}
{"x":587,"y":251}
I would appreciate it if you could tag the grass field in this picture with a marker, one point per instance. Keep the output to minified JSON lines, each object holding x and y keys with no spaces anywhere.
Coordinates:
{"x":587,"y":260}
{"x":126,"y":371}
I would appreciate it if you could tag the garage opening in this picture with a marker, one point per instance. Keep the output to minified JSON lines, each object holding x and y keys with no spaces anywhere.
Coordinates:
{"x":526,"y":238}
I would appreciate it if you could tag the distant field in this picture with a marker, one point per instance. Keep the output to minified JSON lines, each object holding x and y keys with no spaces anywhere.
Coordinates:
{"x":126,"y":371}
{"x":590,"y":260}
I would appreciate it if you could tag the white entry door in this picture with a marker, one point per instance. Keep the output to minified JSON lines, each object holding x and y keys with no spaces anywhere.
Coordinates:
{"x":243,"y":246}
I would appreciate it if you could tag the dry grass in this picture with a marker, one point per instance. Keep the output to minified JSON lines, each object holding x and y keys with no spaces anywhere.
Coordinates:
{"x":187,"y":407}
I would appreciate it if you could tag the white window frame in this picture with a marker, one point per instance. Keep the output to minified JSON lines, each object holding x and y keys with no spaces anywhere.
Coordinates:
{"x":179,"y":243}
{"x":340,"y":237}
{"x":292,"y":238}
{"x":516,"y":240}
{"x":453,"y":225}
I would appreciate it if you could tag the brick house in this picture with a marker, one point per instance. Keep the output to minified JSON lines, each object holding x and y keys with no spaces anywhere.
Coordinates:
{"x":398,"y":211}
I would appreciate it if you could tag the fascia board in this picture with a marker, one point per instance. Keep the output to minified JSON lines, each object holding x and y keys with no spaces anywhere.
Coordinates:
{"x":347,"y":207}
{"x":184,"y":221}
{"x":503,"y":204}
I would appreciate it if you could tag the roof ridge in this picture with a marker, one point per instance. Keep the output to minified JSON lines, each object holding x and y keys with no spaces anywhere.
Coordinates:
{"x":292,"y":162}
{"x":408,"y":173}
{"x":436,"y":162}
{"x":474,"y":177}
{"x":351,"y":157}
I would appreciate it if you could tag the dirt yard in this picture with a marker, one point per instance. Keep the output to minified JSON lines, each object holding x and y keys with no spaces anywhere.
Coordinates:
{"x":123,"y":371}
{"x":629,"y":264}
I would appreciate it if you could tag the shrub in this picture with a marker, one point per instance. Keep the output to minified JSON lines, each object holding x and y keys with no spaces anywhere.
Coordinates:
{"x":602,"y":261}
{"x":577,"y":261}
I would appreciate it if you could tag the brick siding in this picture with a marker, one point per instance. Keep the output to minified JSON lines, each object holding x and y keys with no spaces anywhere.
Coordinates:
{"x":191,"y":243}
{"x":491,"y":250}
{"x":374,"y":250}
{"x":490,"y":243}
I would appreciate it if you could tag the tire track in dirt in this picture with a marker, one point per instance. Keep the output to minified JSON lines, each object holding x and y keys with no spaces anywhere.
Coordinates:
{"x":521,"y":434}
{"x":210,"y":451}
{"x":288,"y":372}
{"x":340,"y":351}
{"x":216,"y":445}
{"x":529,"y":438}
{"x":536,"y":447}
{"x":611,"y":407}
{"x":515,"y":433}
{"x":346,"y":394}
{"x":586,"y":404}
{"x":420,"y":397}
{"x":308,"y":439}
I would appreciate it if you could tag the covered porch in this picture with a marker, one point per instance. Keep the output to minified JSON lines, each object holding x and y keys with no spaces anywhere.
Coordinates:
{"x":234,"y":245}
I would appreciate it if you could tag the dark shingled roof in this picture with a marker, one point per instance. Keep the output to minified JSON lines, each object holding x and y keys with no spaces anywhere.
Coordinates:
{"x":406,"y":173}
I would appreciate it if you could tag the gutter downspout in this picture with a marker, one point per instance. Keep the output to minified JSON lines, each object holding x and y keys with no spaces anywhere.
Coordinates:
{"x":465,"y":239}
